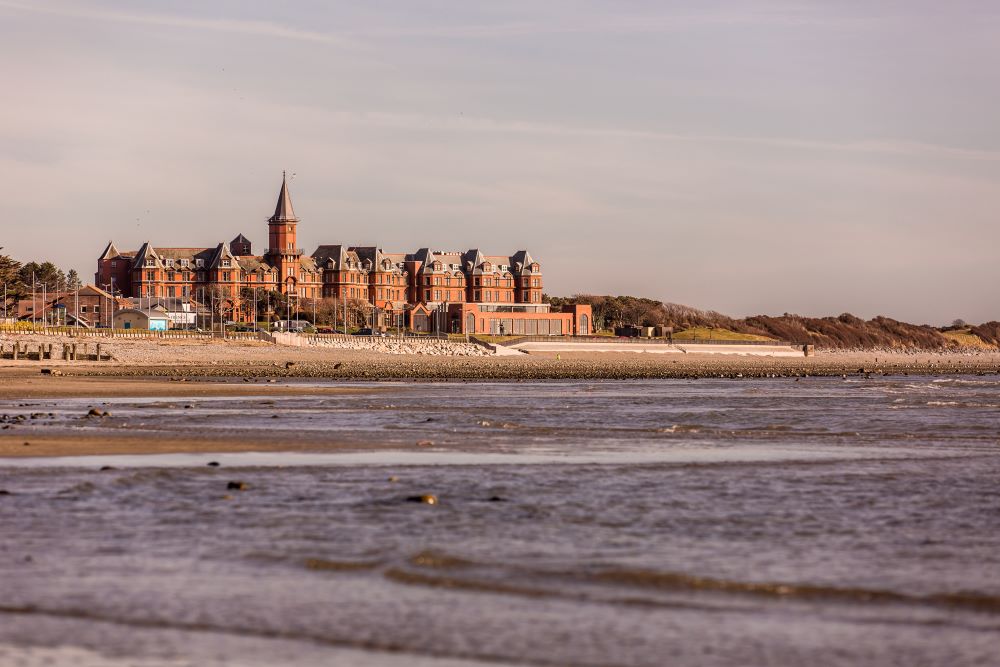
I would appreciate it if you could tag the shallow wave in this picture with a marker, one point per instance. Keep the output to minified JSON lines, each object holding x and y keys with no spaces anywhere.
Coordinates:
{"x":972,"y":383}
{"x":520,"y":581}
{"x":680,"y":581}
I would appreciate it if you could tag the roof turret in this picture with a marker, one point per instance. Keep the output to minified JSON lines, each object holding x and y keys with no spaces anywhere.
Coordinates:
{"x":283,"y":211}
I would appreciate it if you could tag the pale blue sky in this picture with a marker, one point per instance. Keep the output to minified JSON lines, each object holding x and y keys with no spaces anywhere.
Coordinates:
{"x":749,"y":157}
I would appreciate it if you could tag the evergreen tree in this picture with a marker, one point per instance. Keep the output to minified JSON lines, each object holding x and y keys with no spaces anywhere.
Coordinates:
{"x":73,"y":280}
{"x":45,"y":276}
{"x":10,"y":277}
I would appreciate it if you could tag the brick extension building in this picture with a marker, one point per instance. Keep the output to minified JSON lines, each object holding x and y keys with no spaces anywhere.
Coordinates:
{"x":429,"y":290}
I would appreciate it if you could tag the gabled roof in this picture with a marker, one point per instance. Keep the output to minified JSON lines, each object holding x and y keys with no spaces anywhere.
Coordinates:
{"x":186,"y":253}
{"x":253,"y":263}
{"x":283,"y":211}
{"x":325,"y":253}
{"x":240,"y":239}
{"x":521,"y":261}
{"x":145,"y":252}
{"x":110,"y":252}
{"x":151,"y":313}
{"x":220,"y":253}
{"x":93,"y":289}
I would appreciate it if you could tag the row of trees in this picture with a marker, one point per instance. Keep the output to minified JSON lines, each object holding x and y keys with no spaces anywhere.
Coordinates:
{"x":615,"y":311}
{"x":843,"y":331}
{"x":269,"y":305}
{"x":19,"y":279}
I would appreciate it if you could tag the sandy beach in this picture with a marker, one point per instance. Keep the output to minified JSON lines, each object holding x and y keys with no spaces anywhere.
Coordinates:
{"x":205,"y":369}
{"x":254,"y":360}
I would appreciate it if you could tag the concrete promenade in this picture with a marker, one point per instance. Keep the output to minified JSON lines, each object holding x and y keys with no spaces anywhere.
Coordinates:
{"x":776,"y":350}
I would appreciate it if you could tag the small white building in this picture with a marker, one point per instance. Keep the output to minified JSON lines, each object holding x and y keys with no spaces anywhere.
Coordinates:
{"x":151,"y":319}
{"x":181,"y":313}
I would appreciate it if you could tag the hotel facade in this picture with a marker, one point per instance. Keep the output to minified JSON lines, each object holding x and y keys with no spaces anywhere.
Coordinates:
{"x":428,"y":290}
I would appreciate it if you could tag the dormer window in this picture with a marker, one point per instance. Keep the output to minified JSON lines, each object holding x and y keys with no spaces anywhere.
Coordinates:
{"x":226,"y":262}
{"x":150,"y":262}
{"x":199,"y":263}
{"x":185,"y":263}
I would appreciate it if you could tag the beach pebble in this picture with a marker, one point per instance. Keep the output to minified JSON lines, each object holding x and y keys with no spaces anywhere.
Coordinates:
{"x":213,"y":464}
{"x":237,"y":486}
{"x":96,"y":412}
{"x":425,"y":443}
{"x":426,"y":499}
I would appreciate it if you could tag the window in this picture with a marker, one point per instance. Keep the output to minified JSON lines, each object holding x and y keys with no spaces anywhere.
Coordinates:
{"x":185,"y":263}
{"x":437,"y":295}
{"x":150,"y":274}
{"x":226,"y":262}
{"x":535,"y":282}
{"x":170,"y":276}
{"x":477,"y":282}
{"x":114,"y":264}
{"x":97,"y":309}
{"x":225,"y":276}
{"x":524,"y":296}
{"x":477,"y":295}
{"x":199,"y":263}
{"x":427,"y":295}
{"x":291,"y":271}
{"x":170,"y":291}
{"x":289,"y":245}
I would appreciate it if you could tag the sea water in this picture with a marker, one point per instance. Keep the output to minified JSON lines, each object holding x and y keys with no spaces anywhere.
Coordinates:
{"x":685,"y":522}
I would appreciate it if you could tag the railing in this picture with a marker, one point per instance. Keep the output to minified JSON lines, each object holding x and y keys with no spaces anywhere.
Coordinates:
{"x":389,"y":336}
{"x":622,"y":340}
{"x":125,"y":333}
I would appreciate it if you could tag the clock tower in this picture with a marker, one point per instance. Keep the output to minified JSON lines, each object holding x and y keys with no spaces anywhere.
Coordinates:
{"x":283,"y":252}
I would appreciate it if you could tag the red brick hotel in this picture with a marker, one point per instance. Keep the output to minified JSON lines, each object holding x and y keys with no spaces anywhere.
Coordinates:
{"x":463,"y":291}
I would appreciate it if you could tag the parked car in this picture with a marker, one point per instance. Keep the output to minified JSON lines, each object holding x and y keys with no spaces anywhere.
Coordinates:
{"x":368,"y":331}
{"x":627,"y":331}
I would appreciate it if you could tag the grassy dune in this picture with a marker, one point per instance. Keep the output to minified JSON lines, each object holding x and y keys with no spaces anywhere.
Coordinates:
{"x":715,"y":333}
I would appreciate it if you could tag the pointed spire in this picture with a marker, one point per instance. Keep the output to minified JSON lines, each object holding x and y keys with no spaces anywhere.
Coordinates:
{"x":283,"y":212}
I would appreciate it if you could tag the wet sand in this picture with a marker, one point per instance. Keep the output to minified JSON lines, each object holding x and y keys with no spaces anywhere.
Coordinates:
{"x":220,"y":361}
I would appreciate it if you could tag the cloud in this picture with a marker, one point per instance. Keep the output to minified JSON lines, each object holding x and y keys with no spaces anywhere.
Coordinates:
{"x":462,"y":123}
{"x":246,"y":27}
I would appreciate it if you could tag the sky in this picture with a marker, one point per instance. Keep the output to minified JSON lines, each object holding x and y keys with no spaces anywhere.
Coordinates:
{"x":745,"y":157}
